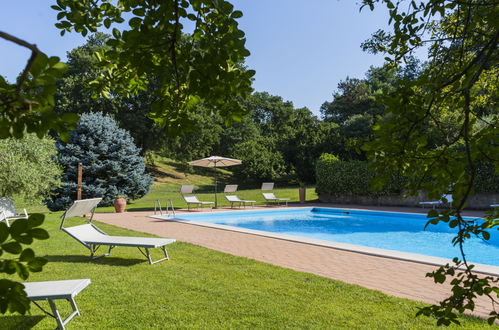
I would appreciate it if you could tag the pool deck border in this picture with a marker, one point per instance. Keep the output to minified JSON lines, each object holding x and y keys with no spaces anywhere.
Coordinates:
{"x":398,"y":255}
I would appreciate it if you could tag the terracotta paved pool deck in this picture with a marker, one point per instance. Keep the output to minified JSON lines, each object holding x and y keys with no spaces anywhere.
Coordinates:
{"x":398,"y":278}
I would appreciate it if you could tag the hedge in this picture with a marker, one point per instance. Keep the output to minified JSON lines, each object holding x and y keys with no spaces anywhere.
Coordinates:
{"x":337,"y":177}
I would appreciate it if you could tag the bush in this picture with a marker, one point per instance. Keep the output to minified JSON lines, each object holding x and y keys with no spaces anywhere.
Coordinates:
{"x":487,"y":180}
{"x":336,"y":177}
{"x":260,"y":163}
{"x":28,"y":168}
{"x":111,"y":162}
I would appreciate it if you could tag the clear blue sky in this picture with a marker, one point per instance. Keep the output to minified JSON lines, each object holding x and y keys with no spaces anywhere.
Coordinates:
{"x":299,"y":49}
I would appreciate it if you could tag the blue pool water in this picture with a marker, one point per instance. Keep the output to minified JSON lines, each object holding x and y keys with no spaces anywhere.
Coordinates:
{"x":385,"y":230}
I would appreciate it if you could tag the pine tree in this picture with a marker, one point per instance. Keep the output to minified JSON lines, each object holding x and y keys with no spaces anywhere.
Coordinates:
{"x":111,"y":162}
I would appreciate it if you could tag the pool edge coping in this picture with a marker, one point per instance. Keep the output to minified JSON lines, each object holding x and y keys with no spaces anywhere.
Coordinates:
{"x":377,"y":252}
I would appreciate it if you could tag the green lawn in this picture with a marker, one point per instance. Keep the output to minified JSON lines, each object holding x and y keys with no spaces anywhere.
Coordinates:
{"x":204,"y":289}
{"x":169,"y":175}
{"x":164,"y":192}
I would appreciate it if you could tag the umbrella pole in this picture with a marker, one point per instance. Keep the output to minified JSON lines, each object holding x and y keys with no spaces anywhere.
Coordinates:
{"x":216,"y":182}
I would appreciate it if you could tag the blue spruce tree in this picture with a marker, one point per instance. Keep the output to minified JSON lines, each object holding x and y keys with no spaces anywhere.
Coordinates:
{"x":112,"y":164}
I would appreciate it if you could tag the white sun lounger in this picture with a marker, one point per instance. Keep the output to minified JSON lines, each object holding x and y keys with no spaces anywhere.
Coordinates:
{"x":186,"y":191}
{"x":8,"y":211}
{"x":231,"y":189}
{"x":53,"y":290}
{"x":270,"y":197}
{"x":448,"y":197}
{"x":92,"y":237}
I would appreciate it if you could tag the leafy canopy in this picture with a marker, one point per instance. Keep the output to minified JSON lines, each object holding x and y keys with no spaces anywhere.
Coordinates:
{"x":205,"y":68}
{"x":454,"y":99}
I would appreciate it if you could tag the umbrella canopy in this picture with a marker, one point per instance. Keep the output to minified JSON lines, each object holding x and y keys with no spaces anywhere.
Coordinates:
{"x":215,"y":161}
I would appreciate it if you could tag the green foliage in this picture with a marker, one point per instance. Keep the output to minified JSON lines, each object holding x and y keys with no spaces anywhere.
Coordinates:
{"x":198,"y":142}
{"x":27,"y":167}
{"x":293,"y":134}
{"x":353,"y":177}
{"x":27,"y":106}
{"x":131,"y":112}
{"x":354,"y":106}
{"x":487,"y":179}
{"x":111,"y":163}
{"x":260,"y":161}
{"x":439,"y":128}
{"x":206,"y":68}
{"x":12,"y":243}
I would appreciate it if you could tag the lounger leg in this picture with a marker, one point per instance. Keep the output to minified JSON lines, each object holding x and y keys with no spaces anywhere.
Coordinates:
{"x":60,"y":322}
{"x":73,"y":304}
{"x":148,"y":255}
{"x":55,"y":311}
{"x":93,"y":248}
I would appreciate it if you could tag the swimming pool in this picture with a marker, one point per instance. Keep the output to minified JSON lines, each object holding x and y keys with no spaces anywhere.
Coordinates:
{"x":403,"y":232}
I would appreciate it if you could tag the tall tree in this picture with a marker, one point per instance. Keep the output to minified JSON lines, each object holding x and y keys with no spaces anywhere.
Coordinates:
{"x":131,"y":113}
{"x":111,"y":163}
{"x":450,"y":95}
{"x":206,"y":69}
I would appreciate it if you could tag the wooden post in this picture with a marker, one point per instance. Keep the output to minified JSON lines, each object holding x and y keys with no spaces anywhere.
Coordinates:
{"x":79,"y":181}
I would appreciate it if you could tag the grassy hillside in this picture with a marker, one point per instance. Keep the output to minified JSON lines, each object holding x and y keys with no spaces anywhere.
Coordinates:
{"x":169,"y":175}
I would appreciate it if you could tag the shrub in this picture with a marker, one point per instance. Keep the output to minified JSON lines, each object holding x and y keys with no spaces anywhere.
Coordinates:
{"x":487,"y":180}
{"x":28,"y":168}
{"x":337,"y":177}
{"x":260,"y":162}
{"x":111,"y":162}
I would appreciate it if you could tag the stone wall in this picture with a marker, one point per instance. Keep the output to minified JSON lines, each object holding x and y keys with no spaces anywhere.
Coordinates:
{"x":479,"y":201}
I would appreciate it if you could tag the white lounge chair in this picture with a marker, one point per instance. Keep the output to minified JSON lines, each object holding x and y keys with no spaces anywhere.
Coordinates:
{"x":269,"y":196}
{"x":8,"y":211}
{"x":231,"y":189}
{"x":186,"y":192}
{"x":92,"y":237}
{"x":440,"y":202}
{"x":53,"y":290}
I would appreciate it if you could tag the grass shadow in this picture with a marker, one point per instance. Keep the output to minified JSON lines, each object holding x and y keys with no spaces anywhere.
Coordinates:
{"x":20,"y":321}
{"x":110,"y":261}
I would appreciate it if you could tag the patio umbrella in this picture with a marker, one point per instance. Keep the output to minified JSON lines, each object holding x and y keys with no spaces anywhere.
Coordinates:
{"x":215,"y":161}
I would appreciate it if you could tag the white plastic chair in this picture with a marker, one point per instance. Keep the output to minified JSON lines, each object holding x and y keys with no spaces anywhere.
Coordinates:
{"x":8,"y":211}
{"x":433,"y":204}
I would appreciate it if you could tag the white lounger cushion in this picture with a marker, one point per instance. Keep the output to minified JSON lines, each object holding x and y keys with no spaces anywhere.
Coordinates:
{"x":88,"y":234}
{"x":271,"y":197}
{"x":55,"y":289}
{"x":194,"y":200}
{"x":235,"y":199}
